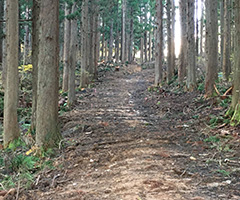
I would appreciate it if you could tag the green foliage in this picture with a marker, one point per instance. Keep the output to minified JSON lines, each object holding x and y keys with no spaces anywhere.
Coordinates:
{"x":223,"y":172}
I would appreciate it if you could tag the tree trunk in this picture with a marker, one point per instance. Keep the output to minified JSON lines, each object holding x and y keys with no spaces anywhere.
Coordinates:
{"x":35,"y":52}
{"x":234,"y":110}
{"x":183,"y":49}
{"x":111,"y":42}
{"x":159,"y":43}
{"x":191,"y":54}
{"x":72,"y":59}
{"x":106,"y":50}
{"x":173,"y":57}
{"x":226,"y":44}
{"x":84,"y":51}
{"x":26,"y":41}
{"x":10,"y":124}
{"x":1,"y":29}
{"x":66,"y":49}
{"x":150,"y":47}
{"x":96,"y":43}
{"x":123,"y":46}
{"x":4,"y":54}
{"x":197,"y":30}
{"x":211,"y":46}
{"x":201,"y":29}
{"x":141,"y":43}
{"x":131,"y":38}
{"x":222,"y":29}
{"x":103,"y":40}
{"x":47,"y":130}
{"x":169,"y":43}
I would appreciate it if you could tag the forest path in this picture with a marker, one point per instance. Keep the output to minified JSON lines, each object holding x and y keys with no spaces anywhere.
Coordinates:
{"x":121,"y":145}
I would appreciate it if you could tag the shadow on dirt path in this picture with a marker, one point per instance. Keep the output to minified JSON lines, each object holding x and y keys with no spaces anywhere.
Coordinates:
{"x":119,"y":146}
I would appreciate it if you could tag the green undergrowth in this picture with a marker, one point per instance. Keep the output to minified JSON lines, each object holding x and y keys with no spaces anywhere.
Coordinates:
{"x":19,"y":165}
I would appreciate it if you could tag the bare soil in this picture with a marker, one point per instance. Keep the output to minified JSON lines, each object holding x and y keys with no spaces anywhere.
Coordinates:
{"x":122,"y":141}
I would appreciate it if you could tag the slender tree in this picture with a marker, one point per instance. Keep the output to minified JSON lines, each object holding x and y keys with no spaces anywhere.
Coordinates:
{"x":10,"y":124}
{"x":159,"y":42}
{"x":66,"y":49}
{"x":72,"y":58}
{"x":226,"y":64}
{"x":234,"y":110}
{"x":191,"y":53}
{"x":183,"y":49}
{"x":35,"y":52}
{"x":211,"y":46}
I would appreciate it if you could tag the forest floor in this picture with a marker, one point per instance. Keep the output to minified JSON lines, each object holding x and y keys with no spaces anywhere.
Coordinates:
{"x":127,"y":140}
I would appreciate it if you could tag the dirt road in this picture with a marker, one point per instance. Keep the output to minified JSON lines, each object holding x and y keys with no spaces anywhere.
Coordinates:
{"x":124,"y":142}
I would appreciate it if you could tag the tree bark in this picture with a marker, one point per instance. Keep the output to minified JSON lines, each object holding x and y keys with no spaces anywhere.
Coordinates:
{"x":191,"y":54}
{"x":211,"y":46}
{"x":66,"y":49}
{"x":123,"y":46}
{"x":159,"y":43}
{"x":10,"y":123}
{"x":1,"y":29}
{"x":72,"y":59}
{"x":4,"y":54}
{"x":173,"y":57}
{"x":183,"y":49}
{"x":47,"y":130}
{"x":111,"y":42}
{"x":169,"y":43}
{"x":226,"y":42}
{"x":234,"y":110}
{"x":84,"y":51}
{"x":222,"y":28}
{"x":35,"y":52}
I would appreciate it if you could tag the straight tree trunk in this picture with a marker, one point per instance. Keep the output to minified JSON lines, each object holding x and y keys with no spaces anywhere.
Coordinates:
{"x":26,"y":41}
{"x":106,"y":50}
{"x":10,"y":123}
{"x":197,"y":30}
{"x":173,"y":57}
{"x":201,"y":29}
{"x":169,"y":42}
{"x":150,"y":47}
{"x":227,"y":42}
{"x":111,"y":42}
{"x":4,"y":54}
{"x":211,"y":46}
{"x":47,"y":130}
{"x":145,"y":37}
{"x":123,"y":46}
{"x":91,"y":40}
{"x":96,"y":43}
{"x":159,"y":42}
{"x":72,"y":59}
{"x":117,"y":35}
{"x":222,"y":29}
{"x":1,"y":29}
{"x":234,"y":110}
{"x":84,"y":51}
{"x":183,"y":49}
{"x":103,"y":41}
{"x":35,"y":52}
{"x":191,"y":54}
{"x":141,"y":43}
{"x":66,"y":49}
{"x":131,"y":38}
